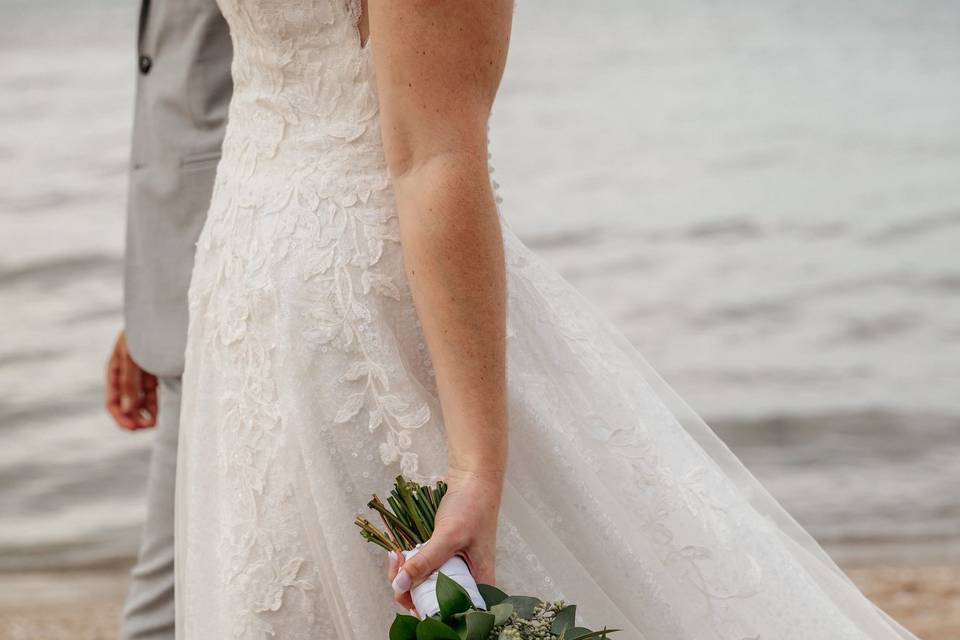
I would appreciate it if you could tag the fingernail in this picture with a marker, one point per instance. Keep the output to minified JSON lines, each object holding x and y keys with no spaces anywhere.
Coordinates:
{"x":402,"y":582}
{"x":394,"y":559}
{"x":414,"y":613}
{"x":126,"y":404}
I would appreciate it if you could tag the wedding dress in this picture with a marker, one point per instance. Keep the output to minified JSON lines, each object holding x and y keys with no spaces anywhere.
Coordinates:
{"x":308,"y":387}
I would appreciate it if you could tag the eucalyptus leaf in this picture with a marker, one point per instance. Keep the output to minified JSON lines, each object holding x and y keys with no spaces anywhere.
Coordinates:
{"x":404,"y":628}
{"x":523,"y":606}
{"x":565,"y":619}
{"x":433,"y":629}
{"x":451,"y":596}
{"x":576,"y":633}
{"x":592,"y":634}
{"x":479,"y":625}
{"x":491,"y":595}
{"x":501,"y":612}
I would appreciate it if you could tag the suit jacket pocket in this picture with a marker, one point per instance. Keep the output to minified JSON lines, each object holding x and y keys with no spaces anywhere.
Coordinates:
{"x":200,"y":161}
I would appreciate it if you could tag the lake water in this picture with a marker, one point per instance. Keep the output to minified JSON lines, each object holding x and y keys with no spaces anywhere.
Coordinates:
{"x":763,"y":195}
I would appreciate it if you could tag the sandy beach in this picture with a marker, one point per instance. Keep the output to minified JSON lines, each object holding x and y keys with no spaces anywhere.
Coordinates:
{"x":85,"y":605}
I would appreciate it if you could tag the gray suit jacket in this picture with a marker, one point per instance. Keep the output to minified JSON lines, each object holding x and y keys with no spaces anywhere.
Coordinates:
{"x":183,"y":90}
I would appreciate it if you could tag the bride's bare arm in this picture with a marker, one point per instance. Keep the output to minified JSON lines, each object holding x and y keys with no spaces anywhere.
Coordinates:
{"x":438,"y":66}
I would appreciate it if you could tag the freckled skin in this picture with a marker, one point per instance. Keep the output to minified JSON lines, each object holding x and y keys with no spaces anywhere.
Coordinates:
{"x":438,"y":65}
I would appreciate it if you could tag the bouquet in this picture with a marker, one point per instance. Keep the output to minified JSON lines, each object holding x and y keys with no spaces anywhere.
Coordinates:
{"x":452,"y":605}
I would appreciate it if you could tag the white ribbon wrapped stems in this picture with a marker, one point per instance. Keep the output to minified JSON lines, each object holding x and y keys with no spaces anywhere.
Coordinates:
{"x":424,"y":595}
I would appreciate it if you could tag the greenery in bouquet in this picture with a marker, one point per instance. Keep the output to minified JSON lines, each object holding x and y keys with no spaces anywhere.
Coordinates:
{"x":506,"y":618}
{"x":408,"y":517}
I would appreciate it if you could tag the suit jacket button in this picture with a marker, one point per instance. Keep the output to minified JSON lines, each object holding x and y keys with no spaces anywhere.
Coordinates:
{"x":145,"y":63}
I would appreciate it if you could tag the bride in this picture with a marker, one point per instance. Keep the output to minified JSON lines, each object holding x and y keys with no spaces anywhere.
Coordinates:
{"x":359,"y":308}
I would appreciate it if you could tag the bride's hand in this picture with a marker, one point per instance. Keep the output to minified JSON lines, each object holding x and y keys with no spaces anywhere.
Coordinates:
{"x":466,"y":524}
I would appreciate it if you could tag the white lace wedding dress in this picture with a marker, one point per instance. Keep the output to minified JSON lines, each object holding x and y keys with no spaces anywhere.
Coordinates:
{"x":308,"y":387}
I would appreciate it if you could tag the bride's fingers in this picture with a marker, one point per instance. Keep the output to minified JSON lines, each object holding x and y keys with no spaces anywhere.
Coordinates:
{"x":438,"y":549}
{"x":394,"y":565}
{"x":403,"y":599}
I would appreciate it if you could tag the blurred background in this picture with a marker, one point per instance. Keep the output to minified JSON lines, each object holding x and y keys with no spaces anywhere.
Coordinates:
{"x":764,"y":196}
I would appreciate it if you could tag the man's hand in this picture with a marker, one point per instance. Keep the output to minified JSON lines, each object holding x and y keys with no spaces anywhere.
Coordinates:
{"x":131,"y":391}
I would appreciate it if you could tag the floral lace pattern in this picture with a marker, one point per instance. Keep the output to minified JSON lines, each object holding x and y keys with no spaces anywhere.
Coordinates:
{"x":308,"y":387}
{"x":298,"y":270}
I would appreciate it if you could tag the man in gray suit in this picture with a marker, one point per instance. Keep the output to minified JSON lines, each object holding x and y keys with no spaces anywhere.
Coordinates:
{"x":183,"y":89}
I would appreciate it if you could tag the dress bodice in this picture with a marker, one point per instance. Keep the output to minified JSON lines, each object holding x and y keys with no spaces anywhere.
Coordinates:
{"x":303,"y":84}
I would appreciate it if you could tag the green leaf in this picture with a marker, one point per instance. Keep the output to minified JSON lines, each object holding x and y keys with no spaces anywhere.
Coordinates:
{"x":404,"y":628}
{"x":451,"y":596}
{"x":575,"y":633}
{"x":479,"y":625}
{"x":491,"y":595}
{"x":501,"y":612}
{"x":564,"y":619}
{"x":523,"y":606}
{"x":433,"y":629}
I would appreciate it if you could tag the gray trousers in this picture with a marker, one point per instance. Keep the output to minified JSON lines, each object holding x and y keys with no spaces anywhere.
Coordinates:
{"x":148,"y":613}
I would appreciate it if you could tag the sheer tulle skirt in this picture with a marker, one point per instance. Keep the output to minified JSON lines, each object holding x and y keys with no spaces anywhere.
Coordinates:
{"x":308,"y":387}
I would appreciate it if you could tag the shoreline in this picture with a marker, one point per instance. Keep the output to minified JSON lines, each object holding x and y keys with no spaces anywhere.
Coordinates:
{"x":85,"y":604}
